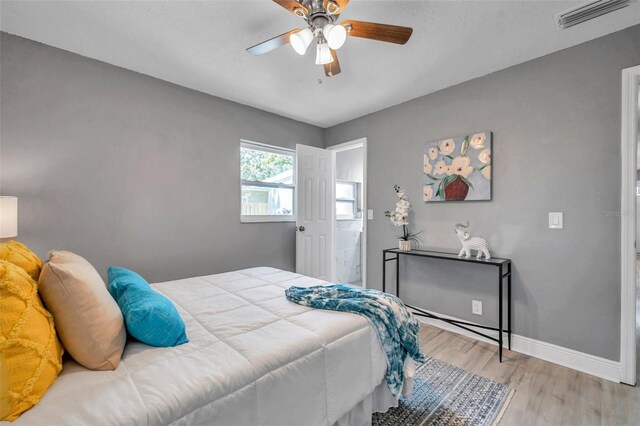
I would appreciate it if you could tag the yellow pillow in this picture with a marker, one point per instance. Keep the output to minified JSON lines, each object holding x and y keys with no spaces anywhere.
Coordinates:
{"x":30,"y":352}
{"x":18,"y":254}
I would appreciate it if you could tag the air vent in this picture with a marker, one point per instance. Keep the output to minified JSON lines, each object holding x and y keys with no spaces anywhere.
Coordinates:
{"x":588,"y":11}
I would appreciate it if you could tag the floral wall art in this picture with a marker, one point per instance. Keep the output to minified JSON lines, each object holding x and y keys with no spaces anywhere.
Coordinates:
{"x":458,"y":169}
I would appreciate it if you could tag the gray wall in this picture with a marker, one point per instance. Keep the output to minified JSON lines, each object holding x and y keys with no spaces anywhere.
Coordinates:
{"x":556,"y":143}
{"x":350,"y":164}
{"x":129,"y":170}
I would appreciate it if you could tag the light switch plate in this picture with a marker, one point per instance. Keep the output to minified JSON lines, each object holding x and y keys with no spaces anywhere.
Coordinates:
{"x":555,"y":220}
{"x":370,"y":214}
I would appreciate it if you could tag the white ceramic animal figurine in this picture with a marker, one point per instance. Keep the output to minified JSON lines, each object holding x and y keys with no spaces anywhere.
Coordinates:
{"x":471,"y":243}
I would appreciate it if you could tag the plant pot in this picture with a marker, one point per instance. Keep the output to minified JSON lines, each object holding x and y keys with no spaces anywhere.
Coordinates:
{"x":456,"y":190}
{"x":404,"y":245}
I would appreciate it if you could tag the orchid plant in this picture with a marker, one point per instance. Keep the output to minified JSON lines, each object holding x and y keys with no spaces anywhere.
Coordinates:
{"x":400,"y":216}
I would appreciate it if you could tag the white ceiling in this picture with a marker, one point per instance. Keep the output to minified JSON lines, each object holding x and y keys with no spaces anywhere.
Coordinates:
{"x":201,"y":45}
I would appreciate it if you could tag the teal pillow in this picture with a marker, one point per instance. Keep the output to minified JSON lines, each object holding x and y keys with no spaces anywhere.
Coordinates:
{"x":148,"y":315}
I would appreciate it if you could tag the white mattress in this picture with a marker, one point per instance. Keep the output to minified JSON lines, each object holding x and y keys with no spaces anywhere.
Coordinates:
{"x":253,"y":358}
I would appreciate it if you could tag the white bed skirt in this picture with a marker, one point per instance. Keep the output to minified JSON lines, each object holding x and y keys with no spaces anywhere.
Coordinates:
{"x":379,"y":401}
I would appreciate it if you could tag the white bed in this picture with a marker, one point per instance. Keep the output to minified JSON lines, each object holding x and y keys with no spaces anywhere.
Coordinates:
{"x":253,"y":358}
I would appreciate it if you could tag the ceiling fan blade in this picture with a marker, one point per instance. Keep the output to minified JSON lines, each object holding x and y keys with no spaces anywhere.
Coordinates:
{"x":292,"y":5}
{"x":332,"y":68}
{"x":332,"y":9}
{"x":379,"y":32}
{"x":271,"y":44}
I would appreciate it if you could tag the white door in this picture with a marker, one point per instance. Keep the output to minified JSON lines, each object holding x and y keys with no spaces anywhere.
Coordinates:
{"x":315,"y":223}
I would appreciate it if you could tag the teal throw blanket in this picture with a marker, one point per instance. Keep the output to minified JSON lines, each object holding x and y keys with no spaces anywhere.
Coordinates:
{"x":396,"y":327}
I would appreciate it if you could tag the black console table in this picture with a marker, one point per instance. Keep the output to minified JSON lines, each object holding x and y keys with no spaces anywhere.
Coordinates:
{"x":504,"y":271}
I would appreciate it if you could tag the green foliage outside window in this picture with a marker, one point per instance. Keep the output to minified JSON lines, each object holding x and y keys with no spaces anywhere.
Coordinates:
{"x":261,"y":165}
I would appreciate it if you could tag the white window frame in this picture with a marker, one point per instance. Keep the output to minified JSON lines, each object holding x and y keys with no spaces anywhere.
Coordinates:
{"x":276,"y":150}
{"x":353,"y":201}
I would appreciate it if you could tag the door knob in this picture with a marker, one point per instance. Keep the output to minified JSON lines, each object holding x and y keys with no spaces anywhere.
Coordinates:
{"x":300,"y":228}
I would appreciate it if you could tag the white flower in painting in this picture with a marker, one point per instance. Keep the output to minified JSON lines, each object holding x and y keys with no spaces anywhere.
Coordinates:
{"x":427,"y":192}
{"x":428,"y":168}
{"x":433,"y":152}
{"x":485,"y":156}
{"x":486,"y":172}
{"x":447,"y":146}
{"x":460,"y":166}
{"x":477,"y":141}
{"x":441,"y":167}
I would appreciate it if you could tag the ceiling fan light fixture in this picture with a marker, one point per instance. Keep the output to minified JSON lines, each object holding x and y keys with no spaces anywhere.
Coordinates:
{"x":335,"y":35}
{"x":301,"y":40}
{"x":323,"y":54}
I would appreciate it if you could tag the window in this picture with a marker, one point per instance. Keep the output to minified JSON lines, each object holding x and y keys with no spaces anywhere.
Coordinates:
{"x":267,"y":176}
{"x":347,"y":195}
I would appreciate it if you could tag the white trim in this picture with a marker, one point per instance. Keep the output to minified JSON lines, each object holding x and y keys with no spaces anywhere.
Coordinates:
{"x":357,"y":143}
{"x":332,"y":197}
{"x":267,"y":218}
{"x":245,"y":143}
{"x":586,"y":363}
{"x":628,"y":151}
{"x":345,"y":146}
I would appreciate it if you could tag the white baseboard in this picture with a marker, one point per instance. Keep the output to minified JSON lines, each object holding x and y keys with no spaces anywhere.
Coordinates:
{"x":586,"y":363}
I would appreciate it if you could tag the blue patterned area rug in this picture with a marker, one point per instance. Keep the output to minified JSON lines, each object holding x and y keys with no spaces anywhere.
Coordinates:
{"x":448,"y":395}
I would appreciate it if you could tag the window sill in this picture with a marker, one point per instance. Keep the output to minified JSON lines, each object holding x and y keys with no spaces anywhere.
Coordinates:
{"x":351,"y":218}
{"x":266,"y":219}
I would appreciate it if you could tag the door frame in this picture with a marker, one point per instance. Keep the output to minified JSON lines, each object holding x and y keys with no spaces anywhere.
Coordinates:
{"x":629,"y":149}
{"x":345,"y":146}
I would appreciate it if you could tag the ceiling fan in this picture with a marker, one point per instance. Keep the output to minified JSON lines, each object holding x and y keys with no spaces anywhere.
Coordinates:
{"x":321,"y":17}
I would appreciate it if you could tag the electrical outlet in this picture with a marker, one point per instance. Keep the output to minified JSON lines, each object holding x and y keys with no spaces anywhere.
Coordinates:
{"x":476,"y":307}
{"x":370,"y":214}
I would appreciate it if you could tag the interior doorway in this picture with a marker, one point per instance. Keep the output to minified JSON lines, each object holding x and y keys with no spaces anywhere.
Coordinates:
{"x":351,"y":213}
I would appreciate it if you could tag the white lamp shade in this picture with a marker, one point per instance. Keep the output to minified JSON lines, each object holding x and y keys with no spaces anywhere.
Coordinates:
{"x":323,"y":54}
{"x":301,"y":40}
{"x":8,"y":217}
{"x":335,"y":35}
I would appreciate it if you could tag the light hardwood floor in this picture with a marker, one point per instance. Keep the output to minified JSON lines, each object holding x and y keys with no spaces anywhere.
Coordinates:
{"x":545,"y":393}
